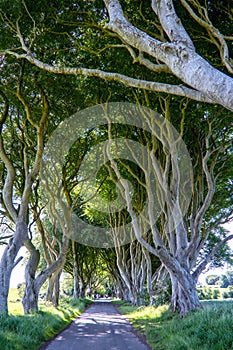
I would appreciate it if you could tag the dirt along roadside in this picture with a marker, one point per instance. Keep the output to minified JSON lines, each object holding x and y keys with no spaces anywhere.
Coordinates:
{"x":100,"y":327}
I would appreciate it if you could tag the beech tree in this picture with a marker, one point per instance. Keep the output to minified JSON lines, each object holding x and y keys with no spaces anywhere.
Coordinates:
{"x":54,"y":250}
{"x":22,"y":127}
{"x":157,"y":35}
{"x":160,"y":38}
{"x":178,"y":237}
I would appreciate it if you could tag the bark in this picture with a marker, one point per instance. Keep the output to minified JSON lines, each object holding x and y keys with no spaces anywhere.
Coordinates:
{"x":48,"y":245}
{"x":53,"y":290}
{"x":19,"y":216}
{"x":8,"y":262}
{"x":110,"y":259}
{"x":76,"y":292}
{"x":31,"y":292}
{"x":82,"y":263}
{"x":184,"y":294}
{"x":132,"y":265}
{"x":82,"y":288}
{"x":178,"y":90}
{"x":119,"y":288}
{"x":178,"y":55}
{"x":176,"y":241}
{"x":56,"y":293}
{"x":34,"y":283}
{"x":49,"y":292}
{"x":149,"y":274}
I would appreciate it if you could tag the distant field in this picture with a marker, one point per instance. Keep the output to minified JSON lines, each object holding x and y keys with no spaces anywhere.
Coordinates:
{"x":14,"y":302}
{"x":215,"y":292}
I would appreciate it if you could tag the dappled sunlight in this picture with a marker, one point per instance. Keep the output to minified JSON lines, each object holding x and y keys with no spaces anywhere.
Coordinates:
{"x":99,"y":327}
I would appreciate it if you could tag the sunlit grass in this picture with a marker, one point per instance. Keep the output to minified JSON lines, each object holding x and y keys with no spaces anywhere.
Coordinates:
{"x":20,"y":332}
{"x":14,"y":302}
{"x":208,"y":329}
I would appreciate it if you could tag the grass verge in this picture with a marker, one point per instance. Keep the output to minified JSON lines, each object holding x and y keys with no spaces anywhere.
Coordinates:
{"x":29,"y":332}
{"x":208,"y":329}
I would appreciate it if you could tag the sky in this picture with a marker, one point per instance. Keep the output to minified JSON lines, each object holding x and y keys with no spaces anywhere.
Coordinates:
{"x":18,"y":272}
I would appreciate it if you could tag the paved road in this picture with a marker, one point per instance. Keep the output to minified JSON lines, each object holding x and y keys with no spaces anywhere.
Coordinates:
{"x":100,"y":327}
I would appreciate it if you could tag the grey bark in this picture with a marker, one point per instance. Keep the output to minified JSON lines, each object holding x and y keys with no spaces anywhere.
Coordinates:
{"x":9,"y":261}
{"x":34,"y":283}
{"x":132,"y":265}
{"x":53,"y":290}
{"x":19,"y":216}
{"x":31,"y":292}
{"x":56,"y":293}
{"x":49,"y":292}
{"x":175,"y":246}
{"x":177,"y":55}
{"x":76,"y":292}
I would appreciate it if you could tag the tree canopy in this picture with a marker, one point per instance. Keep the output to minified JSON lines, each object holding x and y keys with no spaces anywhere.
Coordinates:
{"x":167,"y":63}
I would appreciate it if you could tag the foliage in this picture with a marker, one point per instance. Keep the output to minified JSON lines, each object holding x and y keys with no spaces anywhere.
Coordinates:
{"x":212,"y":279}
{"x":214,"y":292}
{"x":224,"y":283}
{"x":207,"y":293}
{"x":67,"y":285}
{"x":209,"y":328}
{"x":229,"y":275}
{"x":67,"y":34}
{"x":163,"y":292}
{"x":228,"y":294}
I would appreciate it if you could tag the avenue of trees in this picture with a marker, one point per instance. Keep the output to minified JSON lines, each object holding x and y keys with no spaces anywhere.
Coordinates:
{"x":173,"y":57}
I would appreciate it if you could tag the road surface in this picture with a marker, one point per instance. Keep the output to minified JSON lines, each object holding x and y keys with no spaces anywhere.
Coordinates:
{"x":100,"y":327}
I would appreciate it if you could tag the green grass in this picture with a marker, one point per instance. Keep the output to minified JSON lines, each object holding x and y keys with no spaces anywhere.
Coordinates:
{"x":208,"y":329}
{"x":20,"y":332}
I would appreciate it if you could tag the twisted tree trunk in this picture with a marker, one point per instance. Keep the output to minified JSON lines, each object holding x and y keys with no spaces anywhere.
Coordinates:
{"x":56,"y":291}
{"x":184,"y":294}
{"x":31,"y":292}
{"x":34,"y":283}
{"x":9,"y":261}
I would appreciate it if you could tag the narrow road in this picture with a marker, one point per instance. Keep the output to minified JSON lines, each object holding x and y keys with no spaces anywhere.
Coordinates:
{"x":100,"y":327}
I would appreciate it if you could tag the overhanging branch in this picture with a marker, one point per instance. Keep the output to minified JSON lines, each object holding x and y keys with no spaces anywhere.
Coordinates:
{"x":178,"y":90}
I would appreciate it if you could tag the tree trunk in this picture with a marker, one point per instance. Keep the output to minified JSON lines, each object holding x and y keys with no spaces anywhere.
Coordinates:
{"x":33,"y":284}
{"x":76,"y":292}
{"x":53,"y":285}
{"x":82,"y":289}
{"x":8,"y":262}
{"x":148,"y":275}
{"x":184,"y":294}
{"x":49,"y":293}
{"x":119,"y":287}
{"x":126,"y":294}
{"x":135,"y":297}
{"x":56,"y":290}
{"x":30,"y":298}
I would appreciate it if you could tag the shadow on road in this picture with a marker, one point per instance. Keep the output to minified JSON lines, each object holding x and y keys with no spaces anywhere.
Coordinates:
{"x":100,"y":327}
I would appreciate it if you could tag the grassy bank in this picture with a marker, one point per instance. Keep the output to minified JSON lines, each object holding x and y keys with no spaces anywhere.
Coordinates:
{"x":208,"y":329}
{"x":19,"y":332}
